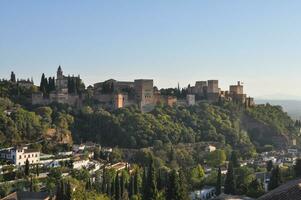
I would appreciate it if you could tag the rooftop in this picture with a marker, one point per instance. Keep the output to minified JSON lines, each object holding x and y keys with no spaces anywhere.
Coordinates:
{"x":31,"y":151}
{"x":290,"y":190}
{"x":27,"y":196}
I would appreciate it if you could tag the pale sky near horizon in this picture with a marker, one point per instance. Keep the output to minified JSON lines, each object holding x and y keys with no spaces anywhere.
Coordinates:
{"x":170,"y":41}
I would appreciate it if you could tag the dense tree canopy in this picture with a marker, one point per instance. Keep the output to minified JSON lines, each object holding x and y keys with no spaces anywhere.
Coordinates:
{"x":130,"y":128}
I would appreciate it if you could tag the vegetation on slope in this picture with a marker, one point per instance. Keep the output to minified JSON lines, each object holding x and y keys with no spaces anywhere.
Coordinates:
{"x":19,"y":125}
{"x":269,"y":125}
{"x":273,"y":116}
{"x":129,"y":128}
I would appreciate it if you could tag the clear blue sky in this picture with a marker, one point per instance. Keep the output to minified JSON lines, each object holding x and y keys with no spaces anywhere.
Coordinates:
{"x":171,"y":41}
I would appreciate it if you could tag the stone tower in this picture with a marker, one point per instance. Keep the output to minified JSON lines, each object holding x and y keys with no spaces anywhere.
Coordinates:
{"x":61,"y":81}
{"x":144,"y":91}
{"x":59,"y":73}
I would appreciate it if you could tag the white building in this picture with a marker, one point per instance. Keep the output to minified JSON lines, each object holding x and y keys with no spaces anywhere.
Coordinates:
{"x":79,"y":164}
{"x":208,"y":193}
{"x":210,"y":148}
{"x":272,"y":158}
{"x":77,"y":148}
{"x":65,"y":153}
{"x":51,"y":162}
{"x":19,"y":155}
{"x":293,"y":151}
{"x":118,"y":166}
{"x":205,"y":194}
{"x":190,"y":98}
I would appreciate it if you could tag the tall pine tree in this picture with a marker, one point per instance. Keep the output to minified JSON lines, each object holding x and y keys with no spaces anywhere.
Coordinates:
{"x":131,"y":187}
{"x":183,"y":193}
{"x":276,"y":178}
{"x":117,"y":188}
{"x":136,"y":183}
{"x":68,"y":191}
{"x":37,"y":170}
{"x":219,"y":182}
{"x":26,"y":170}
{"x":176,"y":189}
{"x":123,"y":183}
{"x":230,"y":186}
{"x":297,"y":168}
{"x":235,"y":159}
{"x":151,"y":184}
{"x":42,"y":84}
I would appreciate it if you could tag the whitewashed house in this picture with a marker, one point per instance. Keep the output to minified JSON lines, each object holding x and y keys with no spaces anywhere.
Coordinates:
{"x":79,"y":164}
{"x":78,"y":147}
{"x":205,"y":194}
{"x":19,"y":155}
{"x":210,"y":148}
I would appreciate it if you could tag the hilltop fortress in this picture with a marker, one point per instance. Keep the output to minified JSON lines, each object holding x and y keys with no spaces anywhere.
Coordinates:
{"x":141,"y":92}
{"x":59,"y":91}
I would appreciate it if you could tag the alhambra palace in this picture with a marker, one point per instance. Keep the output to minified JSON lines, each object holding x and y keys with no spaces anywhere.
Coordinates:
{"x":141,"y":92}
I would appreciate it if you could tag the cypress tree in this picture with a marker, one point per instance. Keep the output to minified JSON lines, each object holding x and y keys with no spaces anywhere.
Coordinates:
{"x":13,"y":77}
{"x":172,"y":154}
{"x":183,"y":193}
{"x":113,"y":189}
{"x":63,"y":191}
{"x":275,"y":179}
{"x":230,"y":185}
{"x":59,"y":192}
{"x":53,"y":83}
{"x":269,"y":165}
{"x":219,"y":182}
{"x":26,"y":170}
{"x":170,"y":192}
{"x":69,"y":84}
{"x":297,"y":168}
{"x":159,"y":180}
{"x":74,"y":84}
{"x":31,"y":185}
{"x":49,"y":85}
{"x":88,"y":184}
{"x":131,"y":187}
{"x":68,"y":192}
{"x":234,"y":159}
{"x":144,"y":183}
{"x":46,"y":85}
{"x":104,"y":182}
{"x":136,"y":186}
{"x":151,"y":190}
{"x":77,"y":85}
{"x":117,"y":188}
{"x":37,"y":170}
{"x":42,"y":84}
{"x":174,"y":191}
{"x":108,"y":189}
{"x":122,"y":183}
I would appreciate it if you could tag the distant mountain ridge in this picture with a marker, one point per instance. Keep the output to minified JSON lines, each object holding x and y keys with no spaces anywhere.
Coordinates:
{"x":279,"y":96}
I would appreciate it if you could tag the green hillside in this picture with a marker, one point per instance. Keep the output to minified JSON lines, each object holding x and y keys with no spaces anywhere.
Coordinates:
{"x":228,"y":124}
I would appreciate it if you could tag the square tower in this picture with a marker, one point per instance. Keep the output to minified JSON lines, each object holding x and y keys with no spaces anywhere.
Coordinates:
{"x":144,"y":92}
